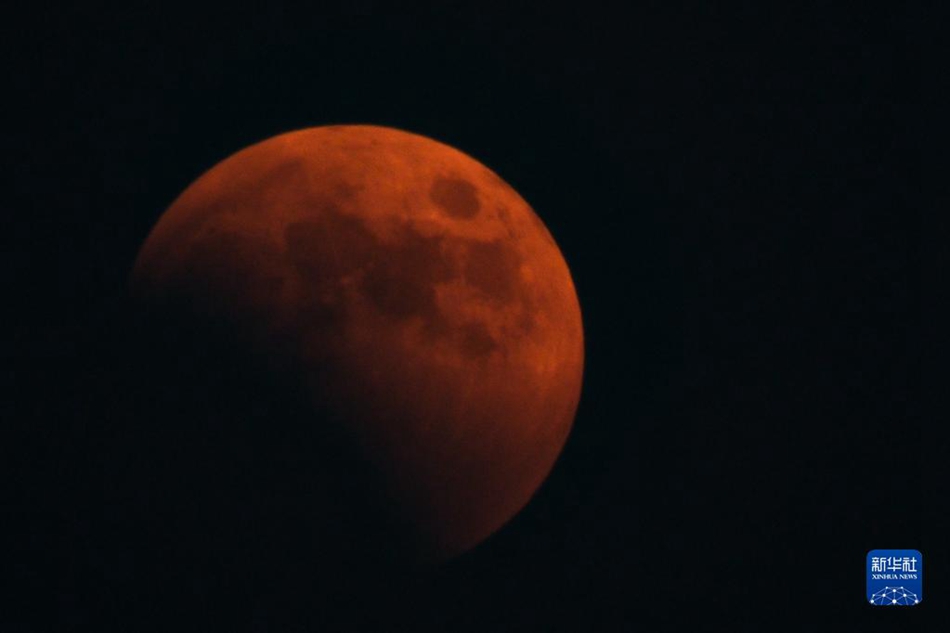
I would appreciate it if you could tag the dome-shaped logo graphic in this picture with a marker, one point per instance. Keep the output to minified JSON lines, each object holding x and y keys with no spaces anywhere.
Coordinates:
{"x":894,"y":596}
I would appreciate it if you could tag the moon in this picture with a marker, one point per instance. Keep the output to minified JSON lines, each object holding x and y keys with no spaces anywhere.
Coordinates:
{"x":416,"y":298}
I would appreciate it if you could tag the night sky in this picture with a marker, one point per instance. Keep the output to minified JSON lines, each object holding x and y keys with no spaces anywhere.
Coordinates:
{"x":734,"y":192}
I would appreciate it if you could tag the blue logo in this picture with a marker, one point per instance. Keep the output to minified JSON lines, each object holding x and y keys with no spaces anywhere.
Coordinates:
{"x":895,"y":577}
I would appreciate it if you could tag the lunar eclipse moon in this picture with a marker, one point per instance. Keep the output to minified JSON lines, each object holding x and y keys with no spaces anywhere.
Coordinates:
{"x":418,"y":301}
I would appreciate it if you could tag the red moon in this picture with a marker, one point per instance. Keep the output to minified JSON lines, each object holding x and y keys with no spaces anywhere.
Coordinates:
{"x":416,"y":295}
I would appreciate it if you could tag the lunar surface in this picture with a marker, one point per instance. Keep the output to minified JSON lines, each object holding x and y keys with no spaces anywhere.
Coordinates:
{"x":414,"y":295}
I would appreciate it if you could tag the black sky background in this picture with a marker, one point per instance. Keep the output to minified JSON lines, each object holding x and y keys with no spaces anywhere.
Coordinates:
{"x":733,"y":192}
